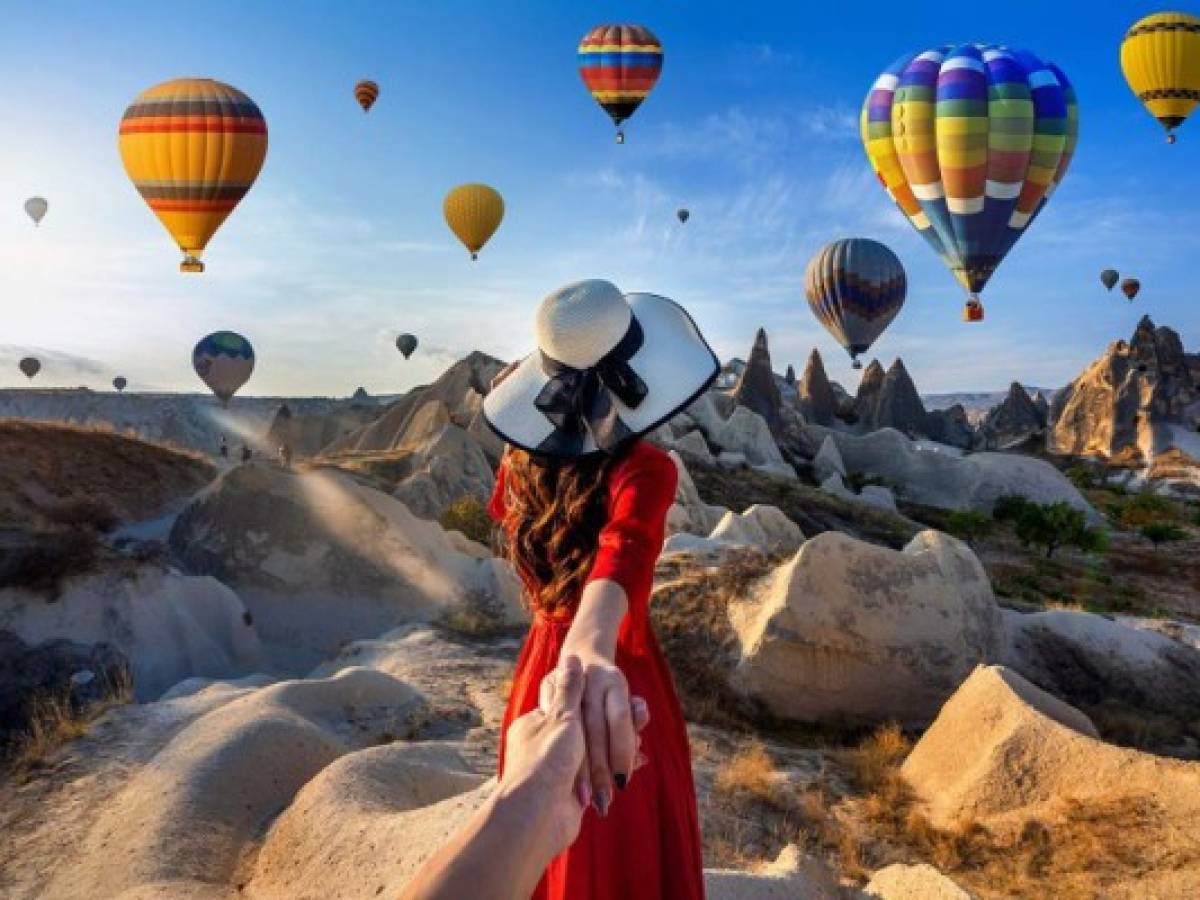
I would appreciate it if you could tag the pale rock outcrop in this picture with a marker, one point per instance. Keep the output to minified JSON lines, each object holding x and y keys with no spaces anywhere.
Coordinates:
{"x":913,"y":882}
{"x":169,"y":626}
{"x":891,"y":402}
{"x":851,"y":631}
{"x":692,"y":446}
{"x":760,"y":527}
{"x":948,"y":481}
{"x":1014,"y":421}
{"x":319,"y":558}
{"x":873,"y":494}
{"x":747,"y":433}
{"x":828,"y":461}
{"x":706,"y":415}
{"x":792,"y":876}
{"x":1003,"y":752}
{"x":1126,"y":401}
{"x":756,"y":388}
{"x":689,"y":513}
{"x":445,"y":466}
{"x":306,"y":431}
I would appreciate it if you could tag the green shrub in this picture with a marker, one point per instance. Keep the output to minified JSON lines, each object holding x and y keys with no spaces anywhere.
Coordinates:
{"x":1143,"y":508}
{"x":969,"y":525}
{"x":1055,"y":525}
{"x":1009,"y":507}
{"x":1159,"y":533}
{"x":1082,"y":477}
{"x":468,"y":515}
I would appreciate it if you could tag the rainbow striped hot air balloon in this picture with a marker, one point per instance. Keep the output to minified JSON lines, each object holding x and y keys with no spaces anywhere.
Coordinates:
{"x":970,"y":141}
{"x":192,"y":147}
{"x":620,"y":64}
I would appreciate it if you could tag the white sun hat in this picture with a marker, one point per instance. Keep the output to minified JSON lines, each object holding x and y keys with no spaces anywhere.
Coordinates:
{"x":609,"y":367}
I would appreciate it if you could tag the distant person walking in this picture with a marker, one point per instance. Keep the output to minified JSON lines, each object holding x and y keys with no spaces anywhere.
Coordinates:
{"x":582,"y":505}
{"x":224,"y":448}
{"x":285,"y":455}
{"x":246,"y":453}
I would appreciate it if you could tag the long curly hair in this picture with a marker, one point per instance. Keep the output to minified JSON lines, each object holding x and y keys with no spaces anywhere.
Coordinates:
{"x":554,"y":512}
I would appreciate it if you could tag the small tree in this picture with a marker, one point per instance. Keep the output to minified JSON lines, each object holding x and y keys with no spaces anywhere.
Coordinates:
{"x":968,"y":524}
{"x":1009,"y":507}
{"x":1159,"y":533}
{"x":1057,"y":525}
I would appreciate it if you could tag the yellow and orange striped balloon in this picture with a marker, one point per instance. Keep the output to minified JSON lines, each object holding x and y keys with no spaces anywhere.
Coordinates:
{"x":192,"y":147}
{"x":366,"y":92}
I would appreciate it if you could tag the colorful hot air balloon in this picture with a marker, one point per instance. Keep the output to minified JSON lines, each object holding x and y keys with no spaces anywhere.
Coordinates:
{"x":119,"y":383}
{"x":619,"y":65}
{"x":224,"y":361}
{"x":473,"y":212}
{"x":406,"y":344}
{"x":366,"y":92}
{"x":35,"y":208}
{"x":192,"y":148}
{"x":855,"y":288}
{"x":1130,"y":288}
{"x":683,"y":215}
{"x":1109,"y":278}
{"x":1160,"y":57}
{"x":30,"y":366}
{"x":970,"y":141}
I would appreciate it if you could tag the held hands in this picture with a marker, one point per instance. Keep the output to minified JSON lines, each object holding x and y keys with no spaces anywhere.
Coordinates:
{"x":611,"y":722}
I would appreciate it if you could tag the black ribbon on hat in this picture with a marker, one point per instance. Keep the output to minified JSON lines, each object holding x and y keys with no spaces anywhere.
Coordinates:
{"x":580,"y":401}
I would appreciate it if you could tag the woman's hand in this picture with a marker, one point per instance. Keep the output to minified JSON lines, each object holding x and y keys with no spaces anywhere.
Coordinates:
{"x":611,"y":722}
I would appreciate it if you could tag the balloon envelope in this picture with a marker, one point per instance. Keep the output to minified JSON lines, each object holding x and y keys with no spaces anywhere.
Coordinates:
{"x":119,"y":383}
{"x":224,"y":361}
{"x":192,"y":147}
{"x":35,"y":208}
{"x":683,"y":215}
{"x":855,"y":287}
{"x":970,"y":141}
{"x":620,"y":64}
{"x":473,"y":212}
{"x":1130,"y":287}
{"x":366,"y":93}
{"x":406,"y":344}
{"x":30,"y":366}
{"x":1160,"y":57}
{"x":1109,"y":278}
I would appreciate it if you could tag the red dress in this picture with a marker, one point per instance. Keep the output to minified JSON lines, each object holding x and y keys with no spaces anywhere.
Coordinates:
{"x":648,"y":847}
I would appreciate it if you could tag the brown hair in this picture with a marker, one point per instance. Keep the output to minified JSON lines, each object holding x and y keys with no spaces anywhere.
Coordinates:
{"x":554,"y":511}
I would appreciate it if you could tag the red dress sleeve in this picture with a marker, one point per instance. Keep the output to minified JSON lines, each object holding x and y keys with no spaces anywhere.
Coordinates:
{"x":495,"y":505}
{"x":641,"y":492}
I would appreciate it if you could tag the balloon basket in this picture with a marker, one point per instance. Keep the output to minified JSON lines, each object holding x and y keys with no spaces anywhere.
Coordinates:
{"x":972,"y":311}
{"x":620,"y":136}
{"x":1170,"y":138}
{"x":191,"y":264}
{"x":856,"y":364}
{"x":474,"y":256}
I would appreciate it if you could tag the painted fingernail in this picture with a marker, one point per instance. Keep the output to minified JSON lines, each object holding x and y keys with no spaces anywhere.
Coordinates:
{"x":621,"y":780}
{"x":601,"y":801}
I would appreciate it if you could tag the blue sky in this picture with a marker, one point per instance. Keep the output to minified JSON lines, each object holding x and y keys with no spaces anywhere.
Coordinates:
{"x":753,"y":126}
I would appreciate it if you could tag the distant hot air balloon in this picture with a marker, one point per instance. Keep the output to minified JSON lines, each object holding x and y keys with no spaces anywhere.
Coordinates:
{"x":406,"y":344}
{"x":970,"y":141}
{"x":1109,"y":278}
{"x":366,"y":92}
{"x":119,"y":383}
{"x":855,"y":288}
{"x":192,"y":148}
{"x":1160,"y":57}
{"x":35,"y":208}
{"x":473,"y":212}
{"x":683,"y":215}
{"x":1130,"y":287}
{"x":224,"y":361}
{"x":30,"y":365}
{"x":619,"y":65}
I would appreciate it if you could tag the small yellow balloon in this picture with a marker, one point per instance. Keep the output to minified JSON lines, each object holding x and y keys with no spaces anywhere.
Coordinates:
{"x":1160,"y":57}
{"x":473,"y":212}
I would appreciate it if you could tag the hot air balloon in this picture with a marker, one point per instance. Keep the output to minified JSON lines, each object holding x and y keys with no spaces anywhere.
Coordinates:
{"x":119,"y":383}
{"x":683,"y":215}
{"x":366,"y":92}
{"x":970,"y":172}
{"x":192,"y":148}
{"x":406,"y":344}
{"x":473,"y":212}
{"x":30,"y":366}
{"x":224,"y":361}
{"x":619,"y":64}
{"x":35,"y":208}
{"x":1160,"y":57}
{"x":855,"y":288}
{"x":1109,"y":278}
{"x":1130,"y":288}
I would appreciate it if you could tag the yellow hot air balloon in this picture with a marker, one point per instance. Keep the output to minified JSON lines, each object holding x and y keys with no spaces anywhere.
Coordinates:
{"x":192,"y":147}
{"x":473,"y":212}
{"x":1160,"y":57}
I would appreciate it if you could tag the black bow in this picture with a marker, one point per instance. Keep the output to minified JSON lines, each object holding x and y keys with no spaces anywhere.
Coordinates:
{"x":579,"y":401}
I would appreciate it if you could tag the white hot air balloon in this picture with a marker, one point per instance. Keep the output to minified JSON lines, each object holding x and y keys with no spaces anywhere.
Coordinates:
{"x":35,"y":208}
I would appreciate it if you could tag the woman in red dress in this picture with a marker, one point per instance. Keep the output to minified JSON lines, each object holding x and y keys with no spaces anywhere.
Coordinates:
{"x":582,"y":504}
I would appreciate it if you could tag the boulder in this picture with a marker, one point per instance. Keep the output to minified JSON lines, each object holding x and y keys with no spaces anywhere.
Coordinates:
{"x":949,"y":481}
{"x":167,"y":626}
{"x":828,"y":461}
{"x":706,"y":415}
{"x":1014,"y":421}
{"x":756,"y":388}
{"x":814,"y":395}
{"x":760,"y":527}
{"x":747,"y":433}
{"x":692,"y":446}
{"x":916,"y":882}
{"x":890,"y":402}
{"x":319,"y":558}
{"x":872,"y":494}
{"x":853,"y":632}
{"x":689,"y":513}
{"x":792,"y":876}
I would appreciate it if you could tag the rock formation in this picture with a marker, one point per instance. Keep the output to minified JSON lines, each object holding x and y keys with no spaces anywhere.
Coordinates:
{"x":951,"y":426}
{"x":866,"y":397}
{"x":756,"y":388}
{"x":814,"y":395}
{"x":890,"y":401}
{"x":308,"y":432}
{"x":760,"y":527}
{"x":1014,"y":421}
{"x":871,"y":634}
{"x":789,"y":377}
{"x":1132,"y":400}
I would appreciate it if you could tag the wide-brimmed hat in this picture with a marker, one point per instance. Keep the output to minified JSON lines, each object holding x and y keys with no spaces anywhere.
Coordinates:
{"x":609,"y":367}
